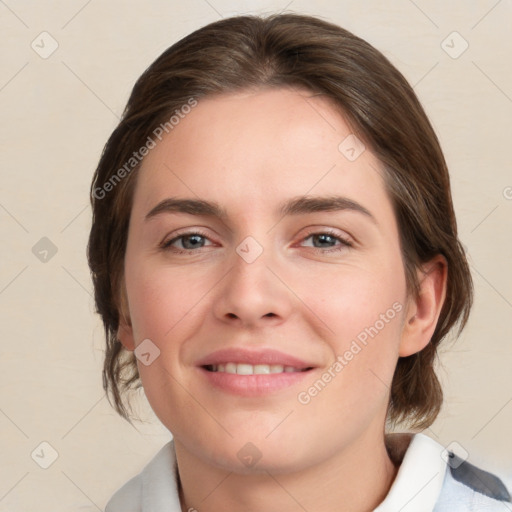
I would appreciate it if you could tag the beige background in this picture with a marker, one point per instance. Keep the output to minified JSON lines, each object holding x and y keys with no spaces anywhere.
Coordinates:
{"x":57,"y":113}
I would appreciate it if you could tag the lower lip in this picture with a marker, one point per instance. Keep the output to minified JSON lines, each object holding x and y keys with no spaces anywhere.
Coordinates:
{"x":253,"y":385}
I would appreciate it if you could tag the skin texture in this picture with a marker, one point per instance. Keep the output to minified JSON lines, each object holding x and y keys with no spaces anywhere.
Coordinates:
{"x":249,"y":152}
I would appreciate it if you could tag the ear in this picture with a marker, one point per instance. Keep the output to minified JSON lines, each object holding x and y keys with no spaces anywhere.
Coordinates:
{"x":423,"y":312}
{"x":125,"y":329}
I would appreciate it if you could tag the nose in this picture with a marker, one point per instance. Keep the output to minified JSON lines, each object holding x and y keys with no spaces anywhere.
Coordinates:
{"x":253,"y":293}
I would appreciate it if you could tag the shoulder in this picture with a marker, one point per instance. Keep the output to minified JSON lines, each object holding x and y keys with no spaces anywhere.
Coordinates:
{"x":128,"y":498}
{"x":467,"y":487}
{"x":431,"y":478}
{"x":154,"y":488}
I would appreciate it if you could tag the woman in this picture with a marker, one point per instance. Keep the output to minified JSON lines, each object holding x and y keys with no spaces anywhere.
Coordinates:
{"x":275,"y":259}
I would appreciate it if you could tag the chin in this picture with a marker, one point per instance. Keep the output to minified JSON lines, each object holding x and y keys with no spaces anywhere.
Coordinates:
{"x":259,"y":456}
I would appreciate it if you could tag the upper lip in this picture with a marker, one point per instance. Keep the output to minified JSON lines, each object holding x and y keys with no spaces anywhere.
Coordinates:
{"x":261,"y":356}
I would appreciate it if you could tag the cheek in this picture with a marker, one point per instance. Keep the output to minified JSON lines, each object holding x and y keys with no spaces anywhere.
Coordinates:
{"x":161,"y":303}
{"x":355,"y":299}
{"x":159,"y":300}
{"x":361,"y":311}
{"x":354,"y":388}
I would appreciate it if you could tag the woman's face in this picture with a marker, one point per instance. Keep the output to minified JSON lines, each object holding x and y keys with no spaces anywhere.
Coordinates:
{"x":295,"y":295}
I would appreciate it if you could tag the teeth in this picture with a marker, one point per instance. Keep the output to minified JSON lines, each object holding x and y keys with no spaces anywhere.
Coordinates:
{"x":230,"y":368}
{"x":244,"y":369}
{"x":261,"y":369}
{"x":249,"y":369}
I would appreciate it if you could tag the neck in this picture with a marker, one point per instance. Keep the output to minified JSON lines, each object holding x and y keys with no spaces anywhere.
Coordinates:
{"x":357,"y":478}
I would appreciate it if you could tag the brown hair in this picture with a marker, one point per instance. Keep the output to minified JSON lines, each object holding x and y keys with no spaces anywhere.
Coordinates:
{"x":290,"y":50}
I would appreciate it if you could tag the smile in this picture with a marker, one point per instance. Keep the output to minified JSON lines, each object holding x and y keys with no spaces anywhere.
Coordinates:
{"x":250,"y":369}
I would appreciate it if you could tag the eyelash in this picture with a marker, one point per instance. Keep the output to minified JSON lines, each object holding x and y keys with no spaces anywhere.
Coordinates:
{"x":166,"y":245}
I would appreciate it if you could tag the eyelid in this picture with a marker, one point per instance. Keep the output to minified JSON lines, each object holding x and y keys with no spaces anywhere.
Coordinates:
{"x":346,"y":241}
{"x":342,"y":235}
{"x":166,"y":242}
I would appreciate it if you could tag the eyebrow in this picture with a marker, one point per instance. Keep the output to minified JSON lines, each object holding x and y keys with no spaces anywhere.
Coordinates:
{"x":295,"y":206}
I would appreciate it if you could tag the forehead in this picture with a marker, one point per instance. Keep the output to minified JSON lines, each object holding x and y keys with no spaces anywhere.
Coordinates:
{"x":252,"y":149}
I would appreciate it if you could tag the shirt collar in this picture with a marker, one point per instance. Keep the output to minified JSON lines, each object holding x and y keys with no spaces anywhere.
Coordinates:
{"x":159,"y":482}
{"x":419,"y":479}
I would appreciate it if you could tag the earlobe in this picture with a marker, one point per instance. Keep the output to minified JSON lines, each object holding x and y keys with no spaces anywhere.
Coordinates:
{"x":125,"y":330}
{"x":125,"y":335}
{"x":423,"y":312}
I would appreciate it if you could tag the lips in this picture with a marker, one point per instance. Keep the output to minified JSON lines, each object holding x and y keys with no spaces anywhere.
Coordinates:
{"x":254,"y":358}
{"x":253,"y":373}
